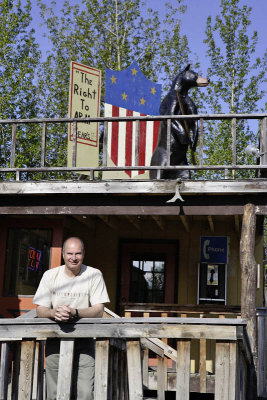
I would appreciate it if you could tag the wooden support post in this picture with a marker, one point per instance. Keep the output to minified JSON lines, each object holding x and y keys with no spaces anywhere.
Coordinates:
{"x":202,"y":366}
{"x":65,"y":369}
{"x":249,"y":275}
{"x":225,"y":371}
{"x":183,"y":370}
{"x":134,"y":370}
{"x":101,"y":366}
{"x":4,"y":366}
{"x":161,"y":373}
{"x":26,"y":370}
{"x":248,"y":289}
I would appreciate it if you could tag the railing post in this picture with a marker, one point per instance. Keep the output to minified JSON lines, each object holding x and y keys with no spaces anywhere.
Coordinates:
{"x":225,"y":371}
{"x":233,"y":130}
{"x":65,"y":369}
{"x":201,"y":141}
{"x":105,"y":142}
{"x":26,"y":370}
{"x":263,"y":146}
{"x":183,"y":369}
{"x":169,"y":122}
{"x":4,"y":367}
{"x":101,"y":368}
{"x":43,"y":144}
{"x":13,"y":145}
{"x":74,"y":144}
{"x":134,"y":370}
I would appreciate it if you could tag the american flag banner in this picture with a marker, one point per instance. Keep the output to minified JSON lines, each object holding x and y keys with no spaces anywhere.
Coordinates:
{"x":130,"y":93}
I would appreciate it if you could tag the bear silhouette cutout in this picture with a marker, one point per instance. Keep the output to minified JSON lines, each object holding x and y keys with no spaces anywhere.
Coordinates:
{"x":180,"y":138}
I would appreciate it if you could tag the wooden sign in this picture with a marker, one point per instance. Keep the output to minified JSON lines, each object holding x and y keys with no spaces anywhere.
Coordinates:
{"x":84,"y":102}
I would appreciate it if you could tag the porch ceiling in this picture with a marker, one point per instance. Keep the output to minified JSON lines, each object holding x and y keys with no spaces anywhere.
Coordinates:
{"x":133,"y":198}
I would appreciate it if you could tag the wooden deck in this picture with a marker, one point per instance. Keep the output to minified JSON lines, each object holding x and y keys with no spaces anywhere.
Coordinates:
{"x":122,"y":357}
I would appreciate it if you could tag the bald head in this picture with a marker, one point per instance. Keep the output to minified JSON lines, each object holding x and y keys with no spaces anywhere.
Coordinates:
{"x":70,"y":239}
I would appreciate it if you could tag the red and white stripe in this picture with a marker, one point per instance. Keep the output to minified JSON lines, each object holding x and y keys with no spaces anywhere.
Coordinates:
{"x":121,"y":139}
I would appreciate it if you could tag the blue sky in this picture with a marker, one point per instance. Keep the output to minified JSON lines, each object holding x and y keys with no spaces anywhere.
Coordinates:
{"x":193,"y":23}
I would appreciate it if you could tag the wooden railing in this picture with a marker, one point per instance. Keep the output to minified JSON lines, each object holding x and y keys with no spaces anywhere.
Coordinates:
{"x":175,"y":310}
{"x":121,"y":370}
{"x":42,"y":124}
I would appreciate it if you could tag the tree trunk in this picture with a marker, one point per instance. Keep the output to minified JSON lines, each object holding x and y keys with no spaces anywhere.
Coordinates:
{"x":248,"y":286}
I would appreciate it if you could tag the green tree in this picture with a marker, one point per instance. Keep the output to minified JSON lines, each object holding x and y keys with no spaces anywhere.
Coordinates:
{"x":105,"y":34}
{"x":236,"y":81}
{"x":18,"y":91}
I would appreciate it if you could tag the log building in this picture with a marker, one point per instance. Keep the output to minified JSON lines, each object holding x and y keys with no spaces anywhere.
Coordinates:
{"x":182,"y":261}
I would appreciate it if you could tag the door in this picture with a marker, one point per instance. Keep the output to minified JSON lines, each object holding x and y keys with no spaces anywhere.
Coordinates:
{"x":148,"y":271}
{"x":29,"y":247}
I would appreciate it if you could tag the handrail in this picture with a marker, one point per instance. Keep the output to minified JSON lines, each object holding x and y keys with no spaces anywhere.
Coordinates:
{"x":234,"y":166}
{"x":127,"y":336}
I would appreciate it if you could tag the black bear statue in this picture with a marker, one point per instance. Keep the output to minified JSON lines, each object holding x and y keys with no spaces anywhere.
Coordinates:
{"x":177,"y":102}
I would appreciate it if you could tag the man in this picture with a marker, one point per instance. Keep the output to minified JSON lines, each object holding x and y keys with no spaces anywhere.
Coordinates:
{"x":66,"y":293}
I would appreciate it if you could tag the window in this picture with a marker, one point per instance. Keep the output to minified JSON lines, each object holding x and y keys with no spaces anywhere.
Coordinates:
{"x":147,"y":279}
{"x":27,"y":258}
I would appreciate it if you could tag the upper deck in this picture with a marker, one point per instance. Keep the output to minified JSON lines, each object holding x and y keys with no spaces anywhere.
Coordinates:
{"x":228,"y":180}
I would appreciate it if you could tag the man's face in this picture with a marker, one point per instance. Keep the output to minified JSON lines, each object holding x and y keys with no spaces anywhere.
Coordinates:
{"x":73,"y":255}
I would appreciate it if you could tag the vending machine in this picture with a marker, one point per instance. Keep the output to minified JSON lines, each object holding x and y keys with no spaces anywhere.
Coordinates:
{"x":212,"y":270}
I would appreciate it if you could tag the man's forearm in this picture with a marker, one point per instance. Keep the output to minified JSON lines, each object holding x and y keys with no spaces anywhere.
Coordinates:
{"x":45,"y":312}
{"x":95,"y":311}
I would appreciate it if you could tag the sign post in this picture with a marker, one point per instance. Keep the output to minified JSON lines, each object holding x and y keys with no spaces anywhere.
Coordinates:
{"x":84,"y":102}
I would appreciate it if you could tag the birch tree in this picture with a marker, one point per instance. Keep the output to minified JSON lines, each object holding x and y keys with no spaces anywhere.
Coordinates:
{"x":237,"y":81}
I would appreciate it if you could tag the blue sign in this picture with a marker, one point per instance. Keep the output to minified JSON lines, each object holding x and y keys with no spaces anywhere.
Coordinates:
{"x":214,"y":249}
{"x":131,"y":89}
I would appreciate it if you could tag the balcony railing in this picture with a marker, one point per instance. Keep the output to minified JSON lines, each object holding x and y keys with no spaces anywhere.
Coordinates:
{"x":11,"y":151}
{"x":121,"y":367}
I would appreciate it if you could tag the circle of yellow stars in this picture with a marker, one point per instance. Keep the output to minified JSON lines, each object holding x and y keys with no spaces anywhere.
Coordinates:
{"x":124,"y":95}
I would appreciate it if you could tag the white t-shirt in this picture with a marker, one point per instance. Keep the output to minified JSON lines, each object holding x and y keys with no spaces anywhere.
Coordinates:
{"x":84,"y":290}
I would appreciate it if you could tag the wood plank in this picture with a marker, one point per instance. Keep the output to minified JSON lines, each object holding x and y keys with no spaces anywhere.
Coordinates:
{"x":126,"y":330}
{"x":65,"y":369}
{"x":4,"y":370}
{"x":101,"y":366}
{"x":233,"y":371}
{"x":145,"y":365}
{"x":183,"y":369}
{"x":134,"y":370}
{"x":222,"y":371}
{"x":26,"y":370}
{"x":202,"y":366}
{"x":161,"y":374}
{"x":251,"y":186}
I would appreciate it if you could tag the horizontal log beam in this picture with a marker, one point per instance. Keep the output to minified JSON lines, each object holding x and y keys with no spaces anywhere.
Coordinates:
{"x":251,"y":186}
{"x":128,"y":210}
{"x":230,"y":330}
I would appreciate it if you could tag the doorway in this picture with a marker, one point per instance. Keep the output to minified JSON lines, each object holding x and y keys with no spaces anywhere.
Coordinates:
{"x":148,"y":271}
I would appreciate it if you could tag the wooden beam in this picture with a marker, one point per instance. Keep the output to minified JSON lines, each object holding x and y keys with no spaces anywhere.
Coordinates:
{"x":211,"y":223}
{"x":185,"y":223}
{"x":134,"y":222}
{"x":159,"y":221}
{"x":237,"y":224}
{"x":249,"y":275}
{"x":109,"y":221}
{"x":252,"y":186}
{"x":125,"y":210}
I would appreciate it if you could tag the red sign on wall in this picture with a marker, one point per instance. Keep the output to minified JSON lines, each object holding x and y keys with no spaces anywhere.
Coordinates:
{"x":34,"y":259}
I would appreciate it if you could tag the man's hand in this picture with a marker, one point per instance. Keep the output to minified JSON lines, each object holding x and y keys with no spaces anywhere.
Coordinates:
{"x":64,"y":313}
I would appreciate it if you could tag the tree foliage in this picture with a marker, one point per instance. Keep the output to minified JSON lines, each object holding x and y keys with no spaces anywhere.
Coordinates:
{"x":20,"y":56}
{"x":105,"y":34}
{"x":236,"y":81}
